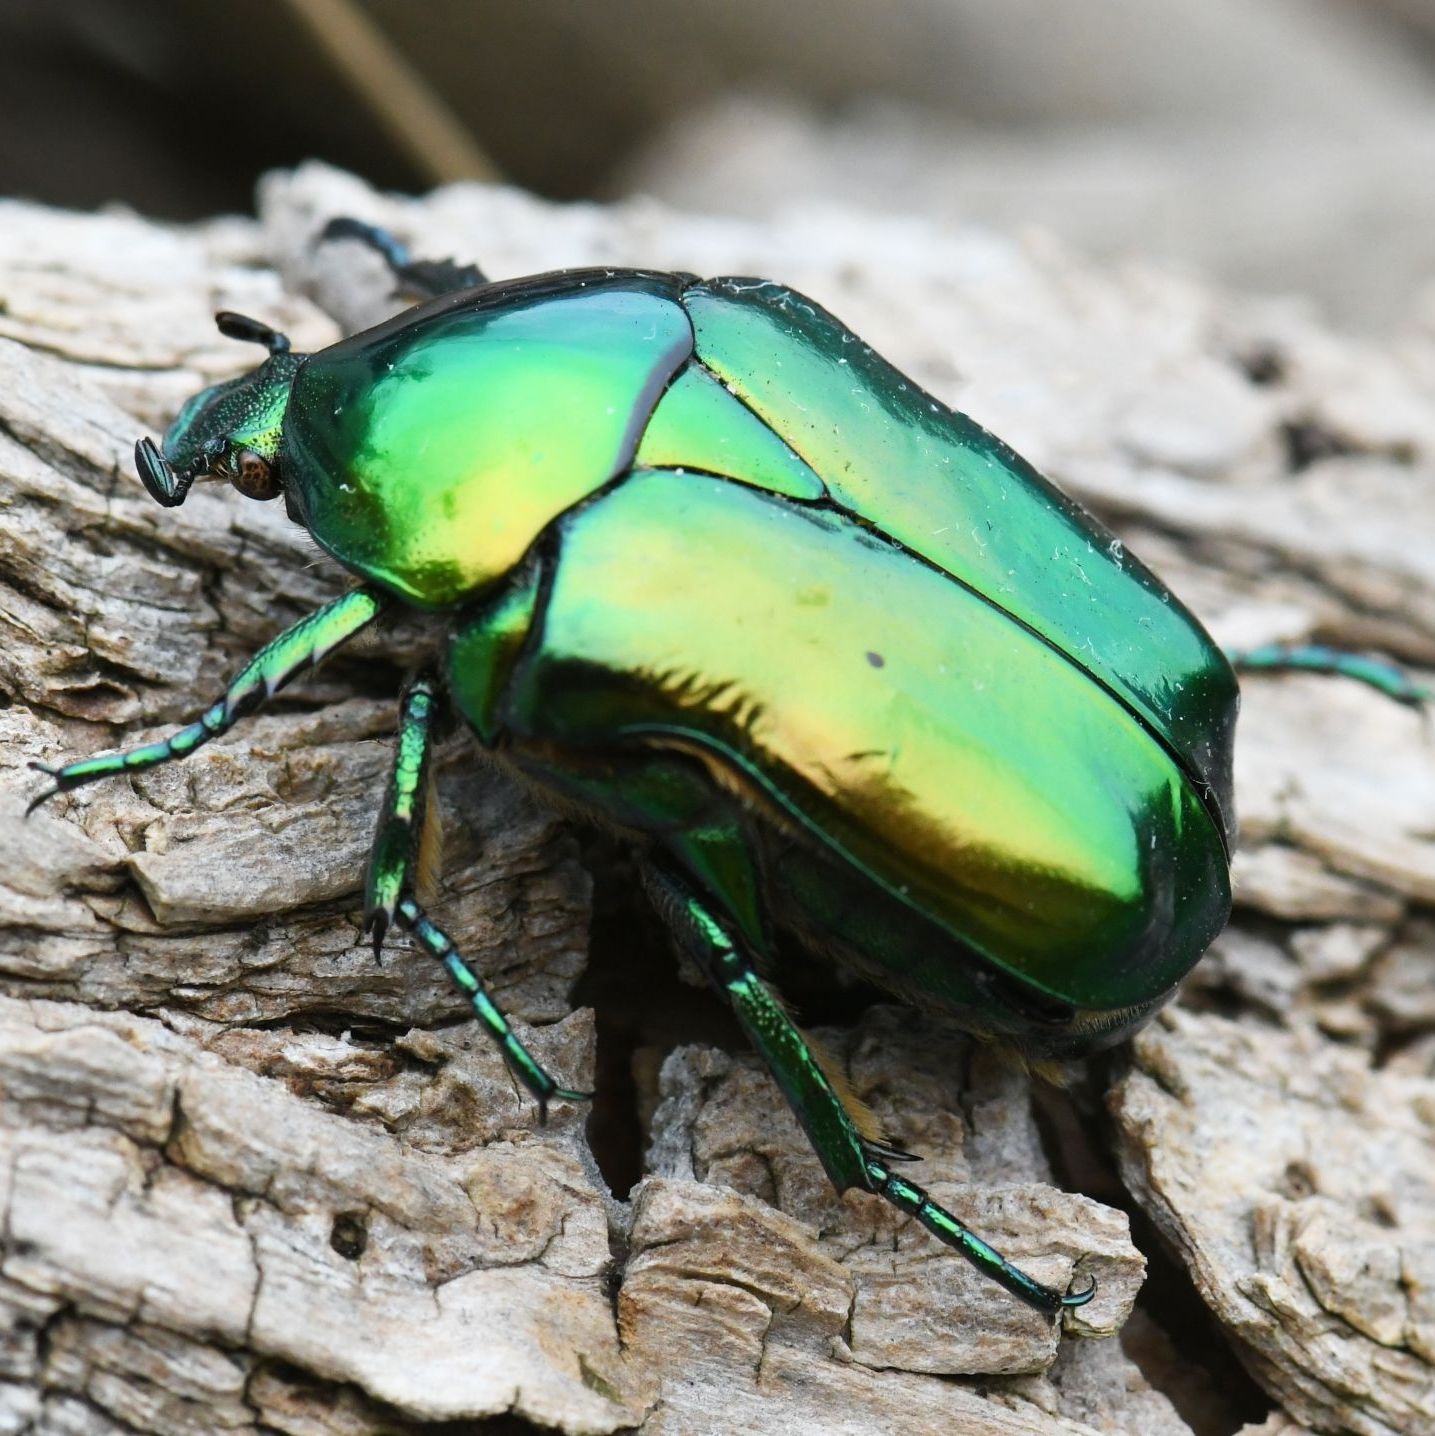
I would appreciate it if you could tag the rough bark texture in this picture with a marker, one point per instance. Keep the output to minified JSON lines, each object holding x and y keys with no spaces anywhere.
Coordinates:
{"x":251,"y":1181}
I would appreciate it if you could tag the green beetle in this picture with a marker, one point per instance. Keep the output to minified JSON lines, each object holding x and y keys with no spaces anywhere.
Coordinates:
{"x":838,"y":659}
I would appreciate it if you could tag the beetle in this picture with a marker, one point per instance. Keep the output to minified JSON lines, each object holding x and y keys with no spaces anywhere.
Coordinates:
{"x":839,"y":661}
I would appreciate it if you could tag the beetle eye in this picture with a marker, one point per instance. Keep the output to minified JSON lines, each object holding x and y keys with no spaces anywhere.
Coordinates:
{"x":254,"y":477}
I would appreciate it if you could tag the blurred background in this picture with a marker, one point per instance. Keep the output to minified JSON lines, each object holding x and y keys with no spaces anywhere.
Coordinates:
{"x":1279,"y":145}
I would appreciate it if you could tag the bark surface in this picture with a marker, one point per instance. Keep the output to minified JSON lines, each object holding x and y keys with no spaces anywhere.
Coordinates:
{"x":252,"y":1181}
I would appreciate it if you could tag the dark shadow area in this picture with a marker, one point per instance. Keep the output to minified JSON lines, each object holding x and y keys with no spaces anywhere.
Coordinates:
{"x":172,"y":109}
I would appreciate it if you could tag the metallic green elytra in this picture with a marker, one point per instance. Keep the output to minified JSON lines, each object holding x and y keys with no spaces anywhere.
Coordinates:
{"x":843,"y":664}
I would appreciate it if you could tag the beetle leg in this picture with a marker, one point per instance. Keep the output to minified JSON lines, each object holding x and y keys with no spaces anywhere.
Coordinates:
{"x":398,"y":862}
{"x":910,"y":1198}
{"x":522,"y":1063}
{"x":849,"y":1159}
{"x":1387,"y":678}
{"x":427,"y":278}
{"x":406,"y":835}
{"x":770,"y":1029}
{"x":281,"y":659}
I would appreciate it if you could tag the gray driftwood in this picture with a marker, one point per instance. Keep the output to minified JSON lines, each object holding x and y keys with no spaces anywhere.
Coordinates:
{"x":251,"y":1181}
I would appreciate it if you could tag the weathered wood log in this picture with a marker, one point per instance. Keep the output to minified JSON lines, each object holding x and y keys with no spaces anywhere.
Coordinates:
{"x":251,"y":1181}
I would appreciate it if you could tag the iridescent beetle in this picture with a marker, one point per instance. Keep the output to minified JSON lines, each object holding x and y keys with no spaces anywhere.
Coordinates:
{"x":839,"y":660}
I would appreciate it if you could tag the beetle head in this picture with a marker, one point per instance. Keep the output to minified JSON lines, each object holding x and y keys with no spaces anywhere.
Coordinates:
{"x":229,"y":431}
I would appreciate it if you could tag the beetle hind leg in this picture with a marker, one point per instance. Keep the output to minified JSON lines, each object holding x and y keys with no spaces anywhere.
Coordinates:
{"x":1387,"y":678}
{"x":850,"y":1159}
{"x":426,"y":278}
{"x":910,"y":1198}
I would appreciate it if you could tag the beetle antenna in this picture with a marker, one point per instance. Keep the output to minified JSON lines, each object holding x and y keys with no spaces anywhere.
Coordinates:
{"x":251,"y":331}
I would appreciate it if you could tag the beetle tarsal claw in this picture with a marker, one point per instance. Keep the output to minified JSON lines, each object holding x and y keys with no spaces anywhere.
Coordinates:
{"x":883,"y":1148}
{"x":376,"y":923}
{"x":50,"y":771}
{"x":1074,"y":1299}
{"x":558,"y":1094}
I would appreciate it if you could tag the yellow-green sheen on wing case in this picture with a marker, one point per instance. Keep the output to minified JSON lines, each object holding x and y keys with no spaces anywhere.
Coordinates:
{"x":947,"y":489}
{"x":699,"y":425}
{"x":949,"y":753}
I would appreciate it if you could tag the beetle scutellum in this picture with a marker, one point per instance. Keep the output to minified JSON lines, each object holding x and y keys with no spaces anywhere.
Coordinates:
{"x":839,"y":660}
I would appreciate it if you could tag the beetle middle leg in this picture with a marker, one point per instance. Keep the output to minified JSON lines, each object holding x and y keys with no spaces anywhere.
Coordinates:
{"x":1387,"y":678}
{"x":406,"y":835}
{"x":403,"y":841}
{"x":521,"y":1062}
{"x":850,"y":1159}
{"x":426,"y":278}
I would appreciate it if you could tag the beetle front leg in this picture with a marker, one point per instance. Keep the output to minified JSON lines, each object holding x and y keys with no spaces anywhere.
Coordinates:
{"x":850,"y":1159}
{"x":1387,"y":678}
{"x":521,"y":1062}
{"x":427,"y":278}
{"x":280,"y":660}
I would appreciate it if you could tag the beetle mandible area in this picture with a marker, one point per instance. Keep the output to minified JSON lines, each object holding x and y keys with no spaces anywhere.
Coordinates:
{"x":252,"y":1180}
